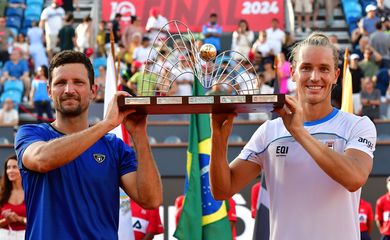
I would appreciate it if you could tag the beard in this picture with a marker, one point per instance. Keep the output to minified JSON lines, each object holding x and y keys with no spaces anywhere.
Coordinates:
{"x":73,"y":111}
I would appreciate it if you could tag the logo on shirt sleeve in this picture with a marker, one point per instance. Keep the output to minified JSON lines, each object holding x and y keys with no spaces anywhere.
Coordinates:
{"x":365,"y":141}
{"x":99,"y":157}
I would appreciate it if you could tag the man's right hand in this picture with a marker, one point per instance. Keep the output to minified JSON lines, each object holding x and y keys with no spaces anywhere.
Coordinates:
{"x":113,"y":116}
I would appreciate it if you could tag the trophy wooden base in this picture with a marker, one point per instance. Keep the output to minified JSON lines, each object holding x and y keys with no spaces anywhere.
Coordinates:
{"x":202,"y":104}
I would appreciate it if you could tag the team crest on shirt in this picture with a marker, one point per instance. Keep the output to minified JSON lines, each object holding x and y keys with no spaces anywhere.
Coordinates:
{"x":99,"y":157}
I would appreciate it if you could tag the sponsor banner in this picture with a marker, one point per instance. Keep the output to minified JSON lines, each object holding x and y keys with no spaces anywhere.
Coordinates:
{"x":195,"y":13}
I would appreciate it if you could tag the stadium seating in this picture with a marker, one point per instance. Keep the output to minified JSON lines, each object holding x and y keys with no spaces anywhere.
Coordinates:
{"x":13,"y":89}
{"x":172,"y":140}
{"x":14,"y":12}
{"x":33,"y":12}
{"x":365,"y":3}
{"x":353,"y":13}
{"x":14,"y":22}
{"x":16,"y":1}
{"x":36,"y":2}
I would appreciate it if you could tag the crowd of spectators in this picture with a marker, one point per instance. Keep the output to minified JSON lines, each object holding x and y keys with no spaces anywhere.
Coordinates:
{"x":22,"y":58}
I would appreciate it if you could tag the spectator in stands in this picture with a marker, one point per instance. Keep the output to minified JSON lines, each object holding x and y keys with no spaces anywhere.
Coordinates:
{"x":184,"y":77}
{"x":303,"y":8}
{"x":100,"y":82}
{"x":17,"y":69}
{"x":366,"y":218}
{"x":67,"y":35}
{"x":58,"y":157}
{"x":131,"y":29}
{"x":5,"y":34}
{"x":370,"y":98}
{"x":382,"y":10}
{"x":276,"y":36}
{"x":242,"y":40}
{"x":141,"y":52}
{"x":146,"y":222}
{"x":101,"y":38}
{"x":84,"y":34}
{"x":368,"y":66}
{"x":69,"y":6}
{"x":212,"y":32}
{"x":257,"y":62}
{"x":335,"y":41}
{"x":154,"y":23}
{"x":284,"y":73}
{"x":39,"y":97}
{"x":382,"y":210}
{"x":134,"y":44}
{"x":254,"y":198}
{"x":22,"y":45}
{"x":263,"y":46}
{"x":321,"y":169}
{"x":9,"y":116}
{"x":145,"y":79}
{"x":51,"y":22}
{"x":380,"y":41}
{"x":35,"y":38}
{"x":382,"y":79}
{"x":116,"y":27}
{"x":13,"y":210}
{"x":357,"y":76}
{"x":269,"y":72}
{"x":369,"y":21}
{"x":361,"y":46}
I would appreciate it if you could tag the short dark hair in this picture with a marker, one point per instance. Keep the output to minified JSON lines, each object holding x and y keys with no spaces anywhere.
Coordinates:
{"x":70,"y":56}
{"x":213,"y":15}
{"x":69,"y":17}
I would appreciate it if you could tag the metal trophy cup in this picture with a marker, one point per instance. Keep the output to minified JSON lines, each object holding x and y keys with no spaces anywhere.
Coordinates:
{"x":229,"y":78}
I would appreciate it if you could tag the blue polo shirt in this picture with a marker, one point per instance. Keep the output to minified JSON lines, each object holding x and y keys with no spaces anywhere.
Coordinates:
{"x":209,"y":28}
{"x":16,"y":70}
{"x":79,"y":200}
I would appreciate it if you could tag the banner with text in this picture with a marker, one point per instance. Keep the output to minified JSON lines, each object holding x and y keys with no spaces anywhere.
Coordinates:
{"x":195,"y":13}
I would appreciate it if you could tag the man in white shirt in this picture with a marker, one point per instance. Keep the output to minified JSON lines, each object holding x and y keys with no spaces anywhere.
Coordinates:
{"x":52,"y":18}
{"x":315,"y":157}
{"x":155,"y":22}
{"x":276,"y":36}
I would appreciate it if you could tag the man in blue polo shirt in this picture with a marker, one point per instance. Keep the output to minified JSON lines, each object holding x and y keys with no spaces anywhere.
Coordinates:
{"x":71,"y":172}
{"x":213,"y":32}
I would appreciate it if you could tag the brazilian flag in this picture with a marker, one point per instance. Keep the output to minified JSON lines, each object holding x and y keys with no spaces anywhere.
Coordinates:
{"x":202,"y":217}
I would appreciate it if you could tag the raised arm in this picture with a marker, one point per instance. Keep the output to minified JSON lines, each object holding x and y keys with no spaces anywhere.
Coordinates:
{"x":144,"y":186}
{"x":45,"y":156}
{"x":227,"y":180}
{"x":350,"y":168}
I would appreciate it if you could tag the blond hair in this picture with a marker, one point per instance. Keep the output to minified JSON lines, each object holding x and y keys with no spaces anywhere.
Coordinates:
{"x":315,"y":39}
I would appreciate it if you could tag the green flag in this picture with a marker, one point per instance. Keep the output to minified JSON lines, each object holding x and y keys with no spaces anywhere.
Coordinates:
{"x":202,"y":217}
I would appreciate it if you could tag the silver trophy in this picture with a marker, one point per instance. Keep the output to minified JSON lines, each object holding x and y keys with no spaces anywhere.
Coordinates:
{"x":177,"y":59}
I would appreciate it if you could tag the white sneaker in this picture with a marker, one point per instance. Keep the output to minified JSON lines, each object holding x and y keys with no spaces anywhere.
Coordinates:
{"x":298,"y":30}
{"x":308,"y":30}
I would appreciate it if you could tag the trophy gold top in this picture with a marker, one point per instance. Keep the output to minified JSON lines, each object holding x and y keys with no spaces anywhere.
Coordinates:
{"x":207,"y":52}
